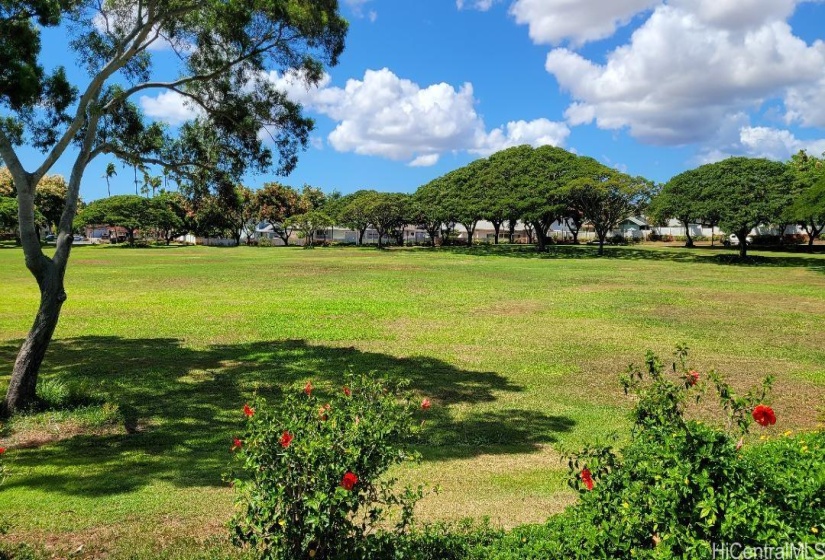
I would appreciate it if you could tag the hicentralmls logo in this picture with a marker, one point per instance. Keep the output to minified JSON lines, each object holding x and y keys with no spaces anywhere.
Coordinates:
{"x":737,"y":551}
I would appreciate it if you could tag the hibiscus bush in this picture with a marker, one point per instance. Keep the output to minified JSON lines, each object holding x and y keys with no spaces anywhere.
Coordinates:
{"x":680,"y":485}
{"x":312,"y":471}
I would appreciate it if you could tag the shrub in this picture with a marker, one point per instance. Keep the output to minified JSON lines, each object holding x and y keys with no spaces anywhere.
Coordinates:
{"x":680,"y":486}
{"x":312,"y":481}
{"x":264,"y":242}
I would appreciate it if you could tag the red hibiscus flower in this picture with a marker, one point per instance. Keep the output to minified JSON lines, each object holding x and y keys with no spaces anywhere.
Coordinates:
{"x":587,"y":478}
{"x":236,"y":444}
{"x":349,"y":481}
{"x":249,"y":411}
{"x":323,"y":412}
{"x":693,"y":377}
{"x":347,"y":391}
{"x":308,"y":388}
{"x":425,"y":404}
{"x":2,"y":450}
{"x":286,"y":439}
{"x":764,"y":415}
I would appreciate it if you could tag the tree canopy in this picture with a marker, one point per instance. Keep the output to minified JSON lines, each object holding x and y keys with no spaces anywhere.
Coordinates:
{"x":226,"y":54}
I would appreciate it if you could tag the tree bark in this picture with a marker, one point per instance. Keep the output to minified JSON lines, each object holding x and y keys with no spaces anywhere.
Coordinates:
{"x":689,"y":241}
{"x":742,"y":235}
{"x":23,"y":385}
{"x":496,"y":227}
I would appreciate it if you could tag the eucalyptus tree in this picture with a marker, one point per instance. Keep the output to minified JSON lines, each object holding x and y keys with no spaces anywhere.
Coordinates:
{"x":223,"y":55}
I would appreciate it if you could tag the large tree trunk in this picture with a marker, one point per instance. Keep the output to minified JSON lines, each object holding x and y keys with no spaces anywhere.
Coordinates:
{"x":742,"y":235}
{"x":689,"y":239}
{"x":496,"y":227}
{"x":22,"y":388}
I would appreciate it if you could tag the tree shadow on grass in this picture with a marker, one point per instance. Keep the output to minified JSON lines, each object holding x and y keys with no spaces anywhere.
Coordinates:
{"x":721,"y":256}
{"x":182,"y":406}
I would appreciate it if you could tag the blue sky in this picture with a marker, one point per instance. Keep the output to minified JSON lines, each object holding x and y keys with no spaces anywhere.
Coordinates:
{"x":648,"y":86}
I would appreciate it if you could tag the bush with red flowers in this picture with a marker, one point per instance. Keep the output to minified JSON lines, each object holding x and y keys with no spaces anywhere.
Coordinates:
{"x":679,"y":485}
{"x":312,"y":481}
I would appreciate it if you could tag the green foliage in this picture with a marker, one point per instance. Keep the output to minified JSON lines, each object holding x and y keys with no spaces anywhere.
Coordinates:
{"x":740,"y":193}
{"x":313,"y":481}
{"x":680,"y":485}
{"x":308,"y":224}
{"x":128,"y":211}
{"x":387,"y":212}
{"x":808,"y":210}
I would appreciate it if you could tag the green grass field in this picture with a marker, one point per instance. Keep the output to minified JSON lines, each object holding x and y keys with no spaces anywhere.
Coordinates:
{"x":519,"y":354}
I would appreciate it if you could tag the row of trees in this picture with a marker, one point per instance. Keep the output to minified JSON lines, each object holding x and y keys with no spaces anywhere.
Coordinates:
{"x":739,"y":194}
{"x":534,"y":186}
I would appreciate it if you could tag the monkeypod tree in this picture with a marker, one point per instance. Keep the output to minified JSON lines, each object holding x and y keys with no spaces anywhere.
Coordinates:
{"x":352,"y":212}
{"x":387,"y":212}
{"x":606,"y":196}
{"x":682,"y":199}
{"x":168,"y":216}
{"x":744,"y":192}
{"x":501,"y":182}
{"x":464,"y":195}
{"x":808,"y":209}
{"x":129,"y":211}
{"x":543,"y":196}
{"x":430,"y":210}
{"x":224,"y":53}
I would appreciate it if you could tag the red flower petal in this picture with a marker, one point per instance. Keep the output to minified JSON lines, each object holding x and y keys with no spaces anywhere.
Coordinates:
{"x":308,"y":388}
{"x":347,"y":391}
{"x":248,"y":410}
{"x":286,"y":439}
{"x":587,"y":478}
{"x":693,"y":378}
{"x":349,"y":481}
{"x":425,"y":404}
{"x":236,"y":444}
{"x":2,"y":450}
{"x":764,"y":415}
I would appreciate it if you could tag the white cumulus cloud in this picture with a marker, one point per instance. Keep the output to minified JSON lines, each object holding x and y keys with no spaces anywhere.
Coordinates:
{"x":388,"y":116}
{"x":579,"y":21}
{"x":681,"y":75}
{"x":168,"y":106}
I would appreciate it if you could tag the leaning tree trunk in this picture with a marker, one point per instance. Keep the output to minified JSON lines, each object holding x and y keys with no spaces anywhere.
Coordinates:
{"x":689,"y":239}
{"x":22,"y":388}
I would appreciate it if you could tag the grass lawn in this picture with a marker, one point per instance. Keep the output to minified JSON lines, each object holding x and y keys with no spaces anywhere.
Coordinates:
{"x":519,"y":354}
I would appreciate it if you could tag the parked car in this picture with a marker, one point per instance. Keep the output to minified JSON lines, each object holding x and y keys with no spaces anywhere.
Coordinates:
{"x":733,"y":240}
{"x":51,"y":238}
